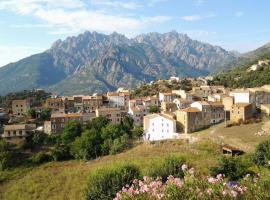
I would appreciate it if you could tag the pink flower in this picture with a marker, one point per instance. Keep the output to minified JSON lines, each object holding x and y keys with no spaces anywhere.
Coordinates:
{"x":209,"y":191}
{"x":234,"y":193}
{"x":191,"y":171}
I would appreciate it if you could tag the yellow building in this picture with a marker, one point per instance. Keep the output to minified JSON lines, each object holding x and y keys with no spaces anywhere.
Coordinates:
{"x":189,"y":119}
{"x":241,"y":111}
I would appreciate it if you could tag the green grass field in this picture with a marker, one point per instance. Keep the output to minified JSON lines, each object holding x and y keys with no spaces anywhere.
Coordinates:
{"x":67,"y":180}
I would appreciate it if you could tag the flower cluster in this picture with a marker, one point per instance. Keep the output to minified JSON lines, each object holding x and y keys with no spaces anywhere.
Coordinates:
{"x":215,"y":187}
{"x":154,"y":188}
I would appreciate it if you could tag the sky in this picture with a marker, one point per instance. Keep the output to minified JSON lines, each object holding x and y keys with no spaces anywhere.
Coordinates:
{"x":31,"y":26}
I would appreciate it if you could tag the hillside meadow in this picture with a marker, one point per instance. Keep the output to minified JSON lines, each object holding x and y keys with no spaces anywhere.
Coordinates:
{"x":68,"y":179}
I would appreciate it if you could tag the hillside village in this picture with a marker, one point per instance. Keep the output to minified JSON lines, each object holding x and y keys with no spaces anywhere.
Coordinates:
{"x":173,"y":114}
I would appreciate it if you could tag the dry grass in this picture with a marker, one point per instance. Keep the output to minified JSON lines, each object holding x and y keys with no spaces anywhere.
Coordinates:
{"x":242,"y":136}
{"x":67,"y":180}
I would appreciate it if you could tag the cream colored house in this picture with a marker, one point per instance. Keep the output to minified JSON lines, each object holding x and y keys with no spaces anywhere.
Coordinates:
{"x":18,"y":132}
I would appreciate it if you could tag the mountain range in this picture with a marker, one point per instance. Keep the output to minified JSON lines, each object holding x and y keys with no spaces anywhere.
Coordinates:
{"x":93,"y":62}
{"x":240,"y":75}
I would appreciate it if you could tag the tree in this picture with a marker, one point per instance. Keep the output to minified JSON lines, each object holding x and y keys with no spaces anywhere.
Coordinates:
{"x":262,"y":153}
{"x":6,"y":155}
{"x":32,"y":113}
{"x":72,"y":130}
{"x":98,"y":123}
{"x":127,"y":125}
{"x":87,"y":146}
{"x":61,"y":152}
{"x":137,"y":132}
{"x":111,"y":131}
{"x":45,"y":114}
{"x":153,"y":109}
{"x":232,"y":167}
{"x":120,"y":144}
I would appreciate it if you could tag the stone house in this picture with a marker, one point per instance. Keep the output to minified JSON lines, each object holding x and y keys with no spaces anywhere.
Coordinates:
{"x":190,"y":119}
{"x":241,"y":111}
{"x":17,"y":133}
{"x":20,"y":107}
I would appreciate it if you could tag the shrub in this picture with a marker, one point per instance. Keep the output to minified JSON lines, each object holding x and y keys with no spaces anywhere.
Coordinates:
{"x":105,"y":183}
{"x":60,"y":153}
{"x":41,"y":157}
{"x":233,"y":168}
{"x":120,"y":144}
{"x":262,"y":153}
{"x":6,"y":155}
{"x":87,"y":146}
{"x":72,"y":130}
{"x":171,"y":165}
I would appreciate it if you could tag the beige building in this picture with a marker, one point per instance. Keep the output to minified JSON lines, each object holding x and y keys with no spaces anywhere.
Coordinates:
{"x":20,"y":107}
{"x":118,"y":99}
{"x":203,"y":92}
{"x":183,"y":94}
{"x":137,"y":113}
{"x":182,"y":103}
{"x":190,"y":119}
{"x":59,"y":120}
{"x":166,"y":97}
{"x":91,"y":103}
{"x":241,"y":111}
{"x":115,"y":115}
{"x":18,"y":132}
{"x":168,"y":107}
{"x":55,"y":104}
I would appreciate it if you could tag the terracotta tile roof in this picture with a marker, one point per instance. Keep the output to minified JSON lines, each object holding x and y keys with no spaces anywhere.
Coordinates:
{"x":69,"y":115}
{"x":242,"y":104}
{"x":190,"y":109}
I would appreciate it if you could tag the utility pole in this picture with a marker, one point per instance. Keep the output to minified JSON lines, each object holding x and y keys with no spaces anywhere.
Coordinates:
{"x":225,"y":119}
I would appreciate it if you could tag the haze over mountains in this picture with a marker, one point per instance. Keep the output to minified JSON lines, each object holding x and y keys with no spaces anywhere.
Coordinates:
{"x":94,"y":62}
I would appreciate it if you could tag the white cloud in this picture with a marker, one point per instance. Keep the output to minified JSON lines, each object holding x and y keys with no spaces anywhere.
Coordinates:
{"x":199,"y":33}
{"x":14,"y":53}
{"x":117,"y":4}
{"x":192,"y":18}
{"x":73,"y":16}
{"x":239,"y":13}
{"x":197,"y":17}
{"x":199,"y":2}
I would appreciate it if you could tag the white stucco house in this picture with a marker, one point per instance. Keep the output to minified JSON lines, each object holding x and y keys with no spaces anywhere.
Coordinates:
{"x":159,"y":127}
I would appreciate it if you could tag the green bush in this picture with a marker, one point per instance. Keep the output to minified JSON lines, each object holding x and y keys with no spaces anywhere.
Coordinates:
{"x":234,"y":168}
{"x":172,"y":165}
{"x":120,"y":144}
{"x":6,"y":155}
{"x":105,"y":183}
{"x":262,"y":154}
{"x":60,"y":153}
{"x":87,"y":146}
{"x":41,"y":157}
{"x":72,"y":130}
